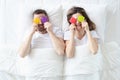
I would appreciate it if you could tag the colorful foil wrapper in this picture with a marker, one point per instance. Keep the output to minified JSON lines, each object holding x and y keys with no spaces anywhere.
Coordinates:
{"x":80,"y":18}
{"x":44,"y":19}
{"x":72,"y":20}
{"x":37,"y":21}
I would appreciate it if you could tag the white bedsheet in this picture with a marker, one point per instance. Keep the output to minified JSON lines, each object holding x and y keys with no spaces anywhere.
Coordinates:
{"x":83,"y":62}
{"x":111,"y":67}
{"x":43,"y":62}
{"x":8,"y":76}
{"x":9,"y":32}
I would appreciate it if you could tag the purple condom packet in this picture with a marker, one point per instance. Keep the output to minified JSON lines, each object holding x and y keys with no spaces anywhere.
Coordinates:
{"x":44,"y":19}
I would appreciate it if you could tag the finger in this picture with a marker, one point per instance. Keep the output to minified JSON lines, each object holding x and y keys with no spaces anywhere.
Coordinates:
{"x":45,"y":26}
{"x":35,"y":25}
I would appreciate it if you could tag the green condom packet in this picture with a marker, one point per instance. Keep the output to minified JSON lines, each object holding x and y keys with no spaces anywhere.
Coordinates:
{"x":80,"y":18}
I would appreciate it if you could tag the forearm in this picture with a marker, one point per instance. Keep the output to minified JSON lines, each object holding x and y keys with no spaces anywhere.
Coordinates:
{"x":25,"y":46}
{"x":93,"y":45}
{"x":58,"y":43}
{"x":70,"y":48}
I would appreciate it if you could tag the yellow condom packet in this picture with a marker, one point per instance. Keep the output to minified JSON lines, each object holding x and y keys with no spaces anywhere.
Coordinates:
{"x":37,"y":21}
{"x":80,"y":18}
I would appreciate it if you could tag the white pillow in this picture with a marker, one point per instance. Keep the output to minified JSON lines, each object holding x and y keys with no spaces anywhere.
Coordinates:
{"x":55,"y":15}
{"x":97,"y":14}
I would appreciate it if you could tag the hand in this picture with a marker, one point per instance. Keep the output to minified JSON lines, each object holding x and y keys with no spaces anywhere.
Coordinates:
{"x":34,"y":28}
{"x":85,"y":26}
{"x":48,"y":26}
{"x":72,"y":28}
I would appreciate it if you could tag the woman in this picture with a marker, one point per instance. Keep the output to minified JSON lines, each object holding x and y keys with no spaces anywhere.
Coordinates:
{"x":81,"y":46}
{"x":81,"y":31}
{"x":42,"y":35}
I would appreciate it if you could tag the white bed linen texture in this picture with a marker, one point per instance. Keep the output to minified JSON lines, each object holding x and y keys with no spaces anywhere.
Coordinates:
{"x":13,"y":66}
{"x":14,"y":14}
{"x":44,"y":62}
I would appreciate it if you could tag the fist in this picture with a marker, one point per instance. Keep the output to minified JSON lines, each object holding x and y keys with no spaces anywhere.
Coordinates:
{"x":48,"y":26}
{"x":85,"y":26}
{"x":34,"y":28}
{"x":72,"y":27}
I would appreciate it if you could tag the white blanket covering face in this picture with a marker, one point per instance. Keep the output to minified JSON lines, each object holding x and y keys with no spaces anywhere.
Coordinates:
{"x":84,"y":62}
{"x":44,"y":62}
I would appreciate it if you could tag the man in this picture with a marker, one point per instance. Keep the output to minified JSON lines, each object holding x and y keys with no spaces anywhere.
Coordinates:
{"x":42,"y":35}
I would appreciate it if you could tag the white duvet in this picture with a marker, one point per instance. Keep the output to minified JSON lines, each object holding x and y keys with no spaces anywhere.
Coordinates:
{"x":84,"y":62}
{"x":46,"y":63}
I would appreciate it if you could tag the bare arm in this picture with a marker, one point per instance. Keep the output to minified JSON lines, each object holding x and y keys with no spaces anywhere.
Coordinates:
{"x":58,"y":43}
{"x":93,"y":44}
{"x":70,"y":46}
{"x":24,"y":48}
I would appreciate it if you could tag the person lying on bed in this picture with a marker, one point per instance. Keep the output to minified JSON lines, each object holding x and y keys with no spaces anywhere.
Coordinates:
{"x":81,"y":31}
{"x":42,"y":35}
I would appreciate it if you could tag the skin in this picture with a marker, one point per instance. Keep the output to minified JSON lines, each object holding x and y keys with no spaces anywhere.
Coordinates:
{"x":58,"y":43}
{"x":79,"y":30}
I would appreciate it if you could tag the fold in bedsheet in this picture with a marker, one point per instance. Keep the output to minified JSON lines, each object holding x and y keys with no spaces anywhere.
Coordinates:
{"x":8,"y":57}
{"x":39,"y":62}
{"x":43,"y":62}
{"x":84,"y":62}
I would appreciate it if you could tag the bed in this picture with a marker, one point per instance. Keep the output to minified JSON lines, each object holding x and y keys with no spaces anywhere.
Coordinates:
{"x":13,"y":18}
